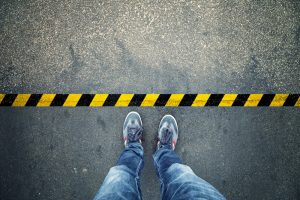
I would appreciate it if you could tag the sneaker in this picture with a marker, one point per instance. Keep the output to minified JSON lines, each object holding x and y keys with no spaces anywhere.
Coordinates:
{"x":167,"y":132}
{"x":132,"y":128}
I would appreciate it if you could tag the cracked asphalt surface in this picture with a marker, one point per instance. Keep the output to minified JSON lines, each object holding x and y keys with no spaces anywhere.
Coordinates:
{"x":143,"y":47}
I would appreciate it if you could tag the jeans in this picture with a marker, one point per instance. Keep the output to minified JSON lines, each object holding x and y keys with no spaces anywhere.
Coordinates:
{"x":177,"y":181}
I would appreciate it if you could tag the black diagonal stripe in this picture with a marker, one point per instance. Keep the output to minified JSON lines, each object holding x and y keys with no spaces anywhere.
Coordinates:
{"x":33,"y":100}
{"x":214,"y":99}
{"x":241,"y":99}
{"x":111,"y":100}
{"x":187,"y":99}
{"x":85,"y":99}
{"x":137,"y":100}
{"x":59,"y":100}
{"x":291,"y":100}
{"x":162,"y":99}
{"x":266,"y":100}
{"x":8,"y":99}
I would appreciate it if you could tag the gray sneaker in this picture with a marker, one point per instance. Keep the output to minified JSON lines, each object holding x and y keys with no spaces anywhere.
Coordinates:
{"x":167,"y":132}
{"x":132,"y":128}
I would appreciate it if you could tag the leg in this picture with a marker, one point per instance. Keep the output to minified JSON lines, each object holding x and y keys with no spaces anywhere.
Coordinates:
{"x":122,"y":181}
{"x":178,"y":181}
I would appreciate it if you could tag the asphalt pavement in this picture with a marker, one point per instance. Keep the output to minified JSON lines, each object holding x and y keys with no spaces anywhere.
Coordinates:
{"x":149,"y":47}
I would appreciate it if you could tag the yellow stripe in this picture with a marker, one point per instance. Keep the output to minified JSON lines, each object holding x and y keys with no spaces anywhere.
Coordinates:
{"x":2,"y":97}
{"x":21,"y":100}
{"x":98,"y":100}
{"x":46,"y":100}
{"x":174,"y":100}
{"x":124,"y":100}
{"x":279,"y":100}
{"x":298,"y":102}
{"x":227,"y":100}
{"x":72,"y":100}
{"x":253,"y":100}
{"x":201,"y":100}
{"x":150,"y":100}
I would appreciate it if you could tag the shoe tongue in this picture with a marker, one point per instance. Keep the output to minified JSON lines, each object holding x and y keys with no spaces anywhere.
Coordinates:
{"x":166,"y":135}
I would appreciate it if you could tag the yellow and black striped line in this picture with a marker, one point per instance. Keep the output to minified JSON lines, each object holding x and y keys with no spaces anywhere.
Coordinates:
{"x":149,"y":100}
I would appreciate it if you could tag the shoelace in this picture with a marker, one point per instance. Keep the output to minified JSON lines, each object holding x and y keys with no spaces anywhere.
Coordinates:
{"x":134,"y":133}
{"x":166,"y":136}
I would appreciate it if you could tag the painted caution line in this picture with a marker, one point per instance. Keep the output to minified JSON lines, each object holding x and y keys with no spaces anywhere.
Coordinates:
{"x":149,"y":100}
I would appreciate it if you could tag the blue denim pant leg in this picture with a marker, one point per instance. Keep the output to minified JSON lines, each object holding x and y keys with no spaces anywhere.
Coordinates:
{"x":122,"y":181}
{"x":178,"y":181}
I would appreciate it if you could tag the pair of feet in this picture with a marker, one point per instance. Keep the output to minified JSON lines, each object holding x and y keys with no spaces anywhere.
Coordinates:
{"x":167,"y":130}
